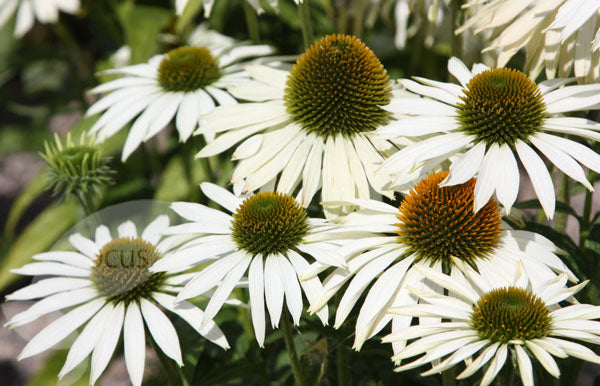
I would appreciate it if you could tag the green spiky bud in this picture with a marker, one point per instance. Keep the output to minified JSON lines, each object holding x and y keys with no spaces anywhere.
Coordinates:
{"x":78,"y":169}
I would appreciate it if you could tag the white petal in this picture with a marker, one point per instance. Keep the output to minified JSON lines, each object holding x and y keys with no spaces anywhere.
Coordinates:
{"x":135,"y":343}
{"x":51,"y":303}
{"x":225,"y":287}
{"x":48,"y":287}
{"x":312,"y":287}
{"x":562,"y":160}
{"x":162,"y":331}
{"x":525,"y":369}
{"x":200,"y":213}
{"x":60,"y":328}
{"x":507,"y":187}
{"x":210,"y":276}
{"x":291,"y":288}
{"x":540,"y":178}
{"x":495,"y":365}
{"x":127,"y":229}
{"x":84,"y":245}
{"x":221,"y":196}
{"x":106,"y":344}
{"x":257,"y":298}
{"x":488,"y":177}
{"x":50,"y":268}
{"x":102,"y":236}
{"x":465,"y":167}
{"x":274,"y":292}
{"x":187,"y":117}
{"x":74,"y":259}
{"x":194,"y":317}
{"x":458,"y":69}
{"x":85,"y":342}
{"x":544,"y":358}
{"x":152,"y":233}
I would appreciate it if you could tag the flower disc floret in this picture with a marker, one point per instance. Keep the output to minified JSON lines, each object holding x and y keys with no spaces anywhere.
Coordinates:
{"x":511,"y":313}
{"x":337,"y":87}
{"x":188,"y":69}
{"x":269,"y":223}
{"x":121,"y":272}
{"x":437,"y":223}
{"x":501,"y":106}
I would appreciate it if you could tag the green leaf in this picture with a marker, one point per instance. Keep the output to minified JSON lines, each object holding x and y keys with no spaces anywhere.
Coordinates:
{"x":174,"y":185}
{"x":142,"y":25}
{"x":38,"y":237}
{"x":27,"y":196}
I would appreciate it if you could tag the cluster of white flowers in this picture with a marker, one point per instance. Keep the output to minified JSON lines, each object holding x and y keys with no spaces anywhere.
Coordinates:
{"x":443,"y":268}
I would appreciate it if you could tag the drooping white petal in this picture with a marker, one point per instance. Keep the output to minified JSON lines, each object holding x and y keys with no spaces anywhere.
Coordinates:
{"x":107,"y":342}
{"x":85,"y":342}
{"x":135,"y":343}
{"x":274,"y":292}
{"x":257,"y":298}
{"x":194,"y":317}
{"x":162,"y":330}
{"x":60,"y":328}
{"x":225,"y":287}
{"x":540,"y":178}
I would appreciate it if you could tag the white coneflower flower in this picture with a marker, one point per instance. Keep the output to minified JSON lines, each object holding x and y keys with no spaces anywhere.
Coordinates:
{"x":45,"y":11}
{"x":493,"y":114}
{"x":560,"y":35}
{"x":266,"y":236}
{"x":108,"y":282}
{"x":313,"y":124}
{"x":497,"y":318}
{"x":184,"y":83}
{"x":433,"y":227}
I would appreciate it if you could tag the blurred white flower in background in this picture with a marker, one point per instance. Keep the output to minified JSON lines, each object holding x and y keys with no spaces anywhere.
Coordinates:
{"x":28,"y":11}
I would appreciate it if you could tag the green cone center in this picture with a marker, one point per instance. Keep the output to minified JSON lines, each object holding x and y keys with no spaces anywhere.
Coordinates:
{"x":188,"y":69}
{"x":437,"y":223}
{"x":337,"y":87}
{"x":121,"y":273}
{"x":511,"y":313}
{"x":269,"y":223}
{"x":501,"y":106}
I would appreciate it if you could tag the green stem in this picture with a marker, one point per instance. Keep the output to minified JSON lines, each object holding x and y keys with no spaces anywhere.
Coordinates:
{"x":286,"y":328}
{"x":564,"y":196}
{"x":305,"y":23}
{"x":251,"y":22}
{"x":357,"y":24}
{"x":587,"y":212}
{"x":87,"y":203}
{"x":449,"y":377}
{"x":342,"y":364}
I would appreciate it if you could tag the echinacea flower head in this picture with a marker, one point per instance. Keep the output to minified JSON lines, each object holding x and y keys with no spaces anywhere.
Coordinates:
{"x":108,"y":282}
{"x":29,"y":10}
{"x":313,"y":124}
{"x":76,"y":168}
{"x":266,"y":237}
{"x":433,"y":227}
{"x":492,"y":115}
{"x":184,"y":83}
{"x":496,"y":319}
{"x":558,"y":35}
